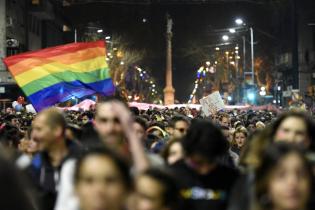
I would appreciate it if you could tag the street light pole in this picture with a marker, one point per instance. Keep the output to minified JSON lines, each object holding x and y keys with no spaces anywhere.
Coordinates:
{"x":252,"y":53}
{"x":244,"y":56}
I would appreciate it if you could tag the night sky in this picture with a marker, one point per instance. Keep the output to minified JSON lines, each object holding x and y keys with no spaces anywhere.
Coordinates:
{"x":192,"y":29}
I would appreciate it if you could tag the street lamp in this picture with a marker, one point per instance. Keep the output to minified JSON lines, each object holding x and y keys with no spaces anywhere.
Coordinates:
{"x":239,"y":21}
{"x":225,"y":37}
{"x":100,"y":31}
{"x":232,"y":30}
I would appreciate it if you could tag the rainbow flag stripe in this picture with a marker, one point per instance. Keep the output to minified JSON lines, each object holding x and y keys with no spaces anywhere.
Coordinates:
{"x":56,"y":74}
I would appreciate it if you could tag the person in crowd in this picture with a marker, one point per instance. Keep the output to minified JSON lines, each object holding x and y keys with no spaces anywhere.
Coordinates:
{"x":301,"y":135}
{"x":173,"y":151}
{"x":283,"y":180}
{"x":239,"y":139}
{"x":86,"y":117}
{"x":179,"y":125}
{"x":157,"y":130}
{"x":13,"y":120}
{"x":156,"y":189}
{"x":224,"y":120}
{"x":140,"y":126}
{"x":260,"y":125}
{"x":14,"y":190}
{"x":10,"y":137}
{"x":27,"y":145}
{"x":204,"y":182}
{"x":73,"y":133}
{"x":102,"y":180}
{"x":48,"y":131}
{"x":226,"y":132}
{"x":113,"y":123}
{"x":294,"y":127}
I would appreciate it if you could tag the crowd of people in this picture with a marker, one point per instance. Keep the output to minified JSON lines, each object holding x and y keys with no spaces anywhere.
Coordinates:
{"x":116,"y":157}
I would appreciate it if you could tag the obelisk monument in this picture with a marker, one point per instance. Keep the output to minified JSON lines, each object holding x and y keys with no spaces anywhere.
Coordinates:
{"x":169,"y":90}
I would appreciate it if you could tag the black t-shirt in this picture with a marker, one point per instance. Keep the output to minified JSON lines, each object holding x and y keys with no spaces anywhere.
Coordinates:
{"x":204,"y":192}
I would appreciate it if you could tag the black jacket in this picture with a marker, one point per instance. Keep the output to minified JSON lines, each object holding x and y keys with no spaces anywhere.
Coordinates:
{"x":204,"y":192}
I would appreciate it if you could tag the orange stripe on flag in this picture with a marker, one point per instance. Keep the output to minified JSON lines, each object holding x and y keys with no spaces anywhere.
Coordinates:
{"x":69,"y":58}
{"x":53,"y":51}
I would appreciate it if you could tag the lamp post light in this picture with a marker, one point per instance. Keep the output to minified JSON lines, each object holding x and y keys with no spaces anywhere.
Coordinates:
{"x":239,"y":21}
{"x":225,"y":38}
{"x":232,"y":30}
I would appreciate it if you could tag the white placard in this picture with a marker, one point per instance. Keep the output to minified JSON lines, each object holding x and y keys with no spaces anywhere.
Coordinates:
{"x":212,"y":103}
{"x":30,"y":108}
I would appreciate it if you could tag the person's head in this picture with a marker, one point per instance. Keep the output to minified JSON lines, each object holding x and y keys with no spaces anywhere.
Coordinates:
{"x":260,"y":125}
{"x":73,"y":132}
{"x":13,"y":187}
{"x":283,"y":179}
{"x":10,"y":136}
{"x":156,"y":190}
{"x":27,"y":145}
{"x":239,"y":137}
{"x":102,"y":180}
{"x":135,"y":111}
{"x":226,"y":132}
{"x":107,"y":123}
{"x":12,"y":120}
{"x":225,"y":120}
{"x":86,"y":117}
{"x":180,"y":125}
{"x":140,"y":126}
{"x":157,"y":131}
{"x":203,"y":145}
{"x":9,"y":110}
{"x":294,"y":127}
{"x":48,"y":128}
{"x":173,"y":151}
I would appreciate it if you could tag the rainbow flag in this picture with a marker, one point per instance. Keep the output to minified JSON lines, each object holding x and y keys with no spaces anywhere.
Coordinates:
{"x":56,"y":74}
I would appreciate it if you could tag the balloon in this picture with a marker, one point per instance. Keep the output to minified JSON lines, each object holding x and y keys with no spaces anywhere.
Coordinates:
{"x":18,"y":108}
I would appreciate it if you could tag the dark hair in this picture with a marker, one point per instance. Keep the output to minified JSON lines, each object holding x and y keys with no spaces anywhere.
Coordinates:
{"x":178,"y":118}
{"x":170,"y":194}
{"x":13,"y":188}
{"x":10,"y":117}
{"x":89,"y":114}
{"x":166,"y":151}
{"x":103,"y":151}
{"x":270,"y":160}
{"x":135,"y":111}
{"x":310,"y":127}
{"x":224,"y":128}
{"x":205,"y":139}
{"x":141,"y":121}
{"x":10,"y":136}
{"x":76,"y":131}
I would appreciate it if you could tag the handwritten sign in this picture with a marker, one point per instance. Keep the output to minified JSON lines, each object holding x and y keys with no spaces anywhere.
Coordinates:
{"x":212,"y":103}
